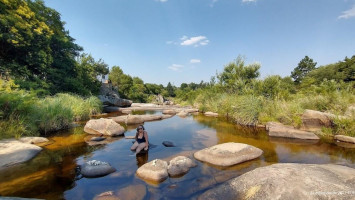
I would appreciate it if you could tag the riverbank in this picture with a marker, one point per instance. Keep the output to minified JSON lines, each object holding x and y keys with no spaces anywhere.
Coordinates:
{"x":23,"y":113}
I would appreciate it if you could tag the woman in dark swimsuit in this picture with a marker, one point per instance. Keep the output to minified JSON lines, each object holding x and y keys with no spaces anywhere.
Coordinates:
{"x":141,"y":140}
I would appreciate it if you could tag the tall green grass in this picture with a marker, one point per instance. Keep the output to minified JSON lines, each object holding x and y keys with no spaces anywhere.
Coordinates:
{"x":22,"y":113}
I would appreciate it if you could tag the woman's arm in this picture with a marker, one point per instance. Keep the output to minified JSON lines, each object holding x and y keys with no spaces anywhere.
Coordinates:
{"x":146,"y":139}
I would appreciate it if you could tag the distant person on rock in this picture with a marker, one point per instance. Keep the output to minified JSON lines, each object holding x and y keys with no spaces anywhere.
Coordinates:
{"x":141,"y":140}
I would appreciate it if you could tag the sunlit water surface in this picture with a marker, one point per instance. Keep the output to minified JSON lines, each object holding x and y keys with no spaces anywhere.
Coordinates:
{"x":52,"y":174}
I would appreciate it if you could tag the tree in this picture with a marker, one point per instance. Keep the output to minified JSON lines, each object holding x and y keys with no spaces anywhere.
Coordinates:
{"x":303,"y":68}
{"x":236,"y":75}
{"x":170,"y":90}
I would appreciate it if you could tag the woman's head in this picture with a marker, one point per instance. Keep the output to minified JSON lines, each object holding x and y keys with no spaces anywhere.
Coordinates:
{"x":140,"y":127}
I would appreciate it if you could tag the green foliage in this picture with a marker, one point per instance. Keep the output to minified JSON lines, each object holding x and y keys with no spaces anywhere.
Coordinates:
{"x":24,"y":114}
{"x":343,"y":71}
{"x":305,"y":66}
{"x":170,"y":89}
{"x":236,"y":76}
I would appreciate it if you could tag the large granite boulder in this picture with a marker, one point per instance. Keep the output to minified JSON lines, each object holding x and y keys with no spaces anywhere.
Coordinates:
{"x":180,"y":165}
{"x":279,"y":130}
{"x":109,"y":96}
{"x":344,"y":138}
{"x":95,"y":168}
{"x":14,"y":152}
{"x":104,"y":127}
{"x":314,"y":120}
{"x":289,"y":181}
{"x":155,"y":170}
{"x":228,"y":154}
{"x":136,"y":119}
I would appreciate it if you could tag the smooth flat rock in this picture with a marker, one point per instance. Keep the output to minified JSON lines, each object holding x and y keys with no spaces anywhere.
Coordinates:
{"x":228,"y":154}
{"x":33,"y":140}
{"x":180,"y":165}
{"x":95,"y":168}
{"x":155,"y":170}
{"x":211,"y":114}
{"x":289,"y":181}
{"x":345,"y":138}
{"x":14,"y":152}
{"x":104,"y":126}
{"x":280,"y":130}
{"x":136,"y":119}
{"x":182,"y":113}
{"x":169,"y":112}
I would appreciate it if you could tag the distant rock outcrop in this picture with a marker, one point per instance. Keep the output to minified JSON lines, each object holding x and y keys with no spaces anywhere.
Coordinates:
{"x":110,"y":97}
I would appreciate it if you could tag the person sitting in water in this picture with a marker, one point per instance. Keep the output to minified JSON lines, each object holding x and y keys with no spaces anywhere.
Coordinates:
{"x":141,"y":140}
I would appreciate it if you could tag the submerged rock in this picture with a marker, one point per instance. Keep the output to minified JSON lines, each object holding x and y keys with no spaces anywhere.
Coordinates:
{"x":289,"y":181}
{"x":228,"y":154}
{"x":95,"y":168}
{"x":168,"y":144}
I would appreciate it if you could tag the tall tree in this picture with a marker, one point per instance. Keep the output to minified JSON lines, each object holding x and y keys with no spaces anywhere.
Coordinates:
{"x":170,"y":90}
{"x":305,"y":66}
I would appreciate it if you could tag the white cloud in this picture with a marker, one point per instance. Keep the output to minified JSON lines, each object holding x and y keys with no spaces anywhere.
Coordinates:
{"x":196,"y":41}
{"x":184,"y":37}
{"x":244,"y":1}
{"x":195,"y":61}
{"x":162,"y":0}
{"x":348,"y":13}
{"x":175,"y":67}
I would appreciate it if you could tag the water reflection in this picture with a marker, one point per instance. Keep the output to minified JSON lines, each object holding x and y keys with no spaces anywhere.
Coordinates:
{"x":142,"y":158}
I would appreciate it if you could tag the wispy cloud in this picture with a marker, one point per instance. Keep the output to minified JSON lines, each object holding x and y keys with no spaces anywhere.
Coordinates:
{"x":196,"y":41}
{"x":348,"y":13}
{"x":162,"y":0}
{"x":175,"y":67}
{"x":195,"y":61}
{"x":213,"y":2}
{"x":245,"y":1}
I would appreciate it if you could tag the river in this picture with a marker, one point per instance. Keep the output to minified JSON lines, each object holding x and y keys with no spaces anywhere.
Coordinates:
{"x":52,"y":174}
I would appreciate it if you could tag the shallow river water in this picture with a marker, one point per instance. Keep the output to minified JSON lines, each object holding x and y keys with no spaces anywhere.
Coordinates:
{"x":52,"y":174}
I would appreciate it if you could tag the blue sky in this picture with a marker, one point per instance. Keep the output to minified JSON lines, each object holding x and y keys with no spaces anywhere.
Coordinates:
{"x":183,"y":41}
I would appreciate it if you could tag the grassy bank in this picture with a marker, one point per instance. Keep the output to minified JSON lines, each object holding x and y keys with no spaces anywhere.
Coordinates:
{"x":241,"y":97}
{"x":22,"y":113}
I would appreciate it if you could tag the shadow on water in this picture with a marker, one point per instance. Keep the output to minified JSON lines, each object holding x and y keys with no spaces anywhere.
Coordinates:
{"x":51,"y":174}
